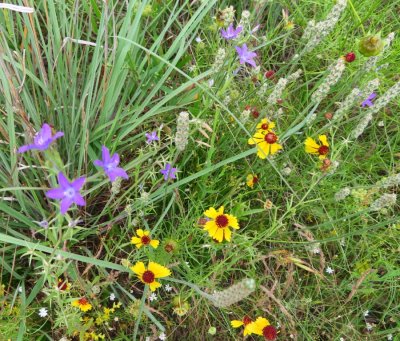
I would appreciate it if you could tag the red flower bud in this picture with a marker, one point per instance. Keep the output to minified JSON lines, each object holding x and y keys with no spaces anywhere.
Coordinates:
{"x":350,"y":57}
{"x":269,"y":74}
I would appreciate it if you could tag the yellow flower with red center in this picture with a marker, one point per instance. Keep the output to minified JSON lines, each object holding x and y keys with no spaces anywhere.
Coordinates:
{"x":261,"y":326}
{"x":148,"y":276}
{"x":265,"y":125}
{"x":312,"y":147}
{"x":219,"y":223}
{"x":83,"y":304}
{"x":252,"y":179}
{"x":144,"y":239}
{"x":266,"y":142}
{"x":245,"y":322}
{"x":63,"y":285}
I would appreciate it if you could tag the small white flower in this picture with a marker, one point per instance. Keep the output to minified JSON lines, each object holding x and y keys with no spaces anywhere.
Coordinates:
{"x":42,"y":312}
{"x":389,"y":336}
{"x":381,"y":124}
{"x":162,"y":336}
{"x":366,"y":313}
{"x":44,"y":223}
{"x":198,"y":40}
{"x":211,"y":82}
{"x":188,"y":265}
{"x":329,"y":270}
{"x":341,"y":339}
{"x":153,"y":297}
{"x":168,"y":288}
{"x":116,"y":319}
{"x":368,"y":326}
{"x":112,"y":297}
{"x":19,"y":289}
{"x":74,"y":223}
{"x":316,"y":250}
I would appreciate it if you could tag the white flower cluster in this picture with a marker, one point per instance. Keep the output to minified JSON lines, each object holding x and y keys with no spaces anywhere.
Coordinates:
{"x":219,"y":60}
{"x":334,"y":73}
{"x":372,"y":61}
{"x":263,"y":89}
{"x":228,"y":15}
{"x":245,"y":20}
{"x":281,"y":85}
{"x":316,"y":32}
{"x":386,"y":200}
{"x":342,"y":194}
{"x":354,"y":95}
{"x":390,"y":181}
{"x":116,"y":186}
{"x":234,"y":293}
{"x":182,"y":131}
{"x":245,"y":115}
{"x":359,"y":129}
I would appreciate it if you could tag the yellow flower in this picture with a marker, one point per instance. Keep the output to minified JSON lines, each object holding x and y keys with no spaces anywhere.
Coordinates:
{"x":83,"y":304}
{"x":246,"y":322}
{"x":144,"y":239}
{"x":153,"y":271}
{"x":266,"y":143}
{"x":251,"y":180}
{"x":218,"y":226}
{"x":265,"y":125}
{"x":261,"y":326}
{"x":313,"y":147}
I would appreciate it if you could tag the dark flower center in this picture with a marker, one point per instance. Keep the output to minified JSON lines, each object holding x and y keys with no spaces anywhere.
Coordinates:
{"x":145,"y":240}
{"x":246,"y":320}
{"x":222,"y":221}
{"x":270,"y":138}
{"x":323,"y":150}
{"x":269,"y":332}
{"x":148,"y":277}
{"x":83,"y":301}
{"x":264,"y":126}
{"x":255,"y":179}
{"x":169,"y":248}
{"x":62,"y":284}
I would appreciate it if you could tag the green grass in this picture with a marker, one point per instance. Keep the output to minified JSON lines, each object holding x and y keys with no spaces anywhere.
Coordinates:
{"x":138,"y":66}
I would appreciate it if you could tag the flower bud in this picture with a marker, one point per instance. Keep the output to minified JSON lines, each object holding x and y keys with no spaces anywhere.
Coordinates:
{"x":371,"y":45}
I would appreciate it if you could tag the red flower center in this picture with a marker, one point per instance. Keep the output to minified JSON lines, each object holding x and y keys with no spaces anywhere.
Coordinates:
{"x":222,"y":221}
{"x":62,"y":284}
{"x":255,"y":114}
{"x":264,"y":126}
{"x":269,"y":74}
{"x":255,"y":179}
{"x":323,"y":150}
{"x":246,"y":320}
{"x":148,"y":277}
{"x":83,"y":301}
{"x":270,"y":138}
{"x":350,"y":57}
{"x":145,"y":240}
{"x":269,"y":332}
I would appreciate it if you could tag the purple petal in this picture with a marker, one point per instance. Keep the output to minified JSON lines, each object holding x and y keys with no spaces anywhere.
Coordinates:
{"x":105,"y":154}
{"x":121,"y":173}
{"x":78,"y":183}
{"x":65,"y":205}
{"x":251,"y":62}
{"x":25,"y":148}
{"x":98,"y":163}
{"x":62,"y":180}
{"x":45,"y":132}
{"x":238,"y":50}
{"x":115,"y":159}
{"x":57,"y":135}
{"x":55,"y":193}
{"x":79,"y":200}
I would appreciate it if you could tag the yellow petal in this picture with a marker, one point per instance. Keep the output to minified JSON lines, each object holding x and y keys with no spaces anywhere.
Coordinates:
{"x":262,"y":322}
{"x":137,"y":241}
{"x":232,"y":221}
{"x":159,"y":270}
{"x":138,"y":268}
{"x":139,"y":232}
{"x":250,"y":180}
{"x":219,"y":235}
{"x":323,"y":157}
{"x":221,"y":210}
{"x":210,"y":226}
{"x":246,"y":330}
{"x":86,"y":307}
{"x":154,"y":285}
{"x":311,"y":146}
{"x":271,"y":125}
{"x":263,"y":150}
{"x":275,"y":147}
{"x":154,"y":243}
{"x":323,"y":140}
{"x":146,"y":233}
{"x":211,"y":213}
{"x":75,"y":303}
{"x":227,"y":234}
{"x":254,"y":329}
{"x":236,"y":323}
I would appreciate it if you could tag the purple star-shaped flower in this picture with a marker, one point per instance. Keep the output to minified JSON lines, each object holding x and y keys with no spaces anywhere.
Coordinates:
{"x":42,"y":140}
{"x":110,"y":165}
{"x":68,"y":192}
{"x":368,"y":102}
{"x":168,"y":172}
{"x":152,"y":137}
{"x":230,"y":32}
{"x":246,"y":56}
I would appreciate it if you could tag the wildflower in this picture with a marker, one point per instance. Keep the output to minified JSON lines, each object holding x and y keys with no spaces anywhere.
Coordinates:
{"x":350,"y":57}
{"x":263,"y":327}
{"x":74,"y":222}
{"x":245,"y":322}
{"x":112,"y":297}
{"x":329,"y":270}
{"x":219,"y":60}
{"x":231,"y":32}
{"x":368,"y":102}
{"x":235,"y":293}
{"x":246,"y":56}
{"x":266,"y":142}
{"x":42,"y":140}
{"x":148,"y":276}
{"x":218,"y":226}
{"x":269,"y":74}
{"x":83,"y":304}
{"x":168,"y":288}
{"x":251,"y":180}
{"x":110,"y":165}
{"x":152,"y":137}
{"x":366,"y":313}
{"x":312,"y":147}
{"x":182,"y":131}
{"x":63,"y":284}
{"x":359,"y":129}
{"x":168,"y":172}
{"x":144,"y":239}
{"x":371,"y":45}
{"x":68,"y":192}
{"x":386,"y":200}
{"x":153,"y":297}
{"x":170,"y":246}
{"x":211,"y":82}
{"x":43,"y":312}
{"x":198,"y":40}
{"x":265,"y":125}
{"x":342,"y":194}
{"x":389,"y":337}
{"x":162,"y":337}
{"x":43,"y":223}
{"x":390,"y":181}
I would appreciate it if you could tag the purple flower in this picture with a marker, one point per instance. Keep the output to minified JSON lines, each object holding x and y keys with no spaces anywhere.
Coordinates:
{"x":68,"y":192}
{"x":42,"y":140}
{"x":168,"y":172}
{"x":230,"y":32}
{"x":110,"y":165}
{"x":246,"y":56}
{"x":368,"y":102}
{"x":152,"y":137}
